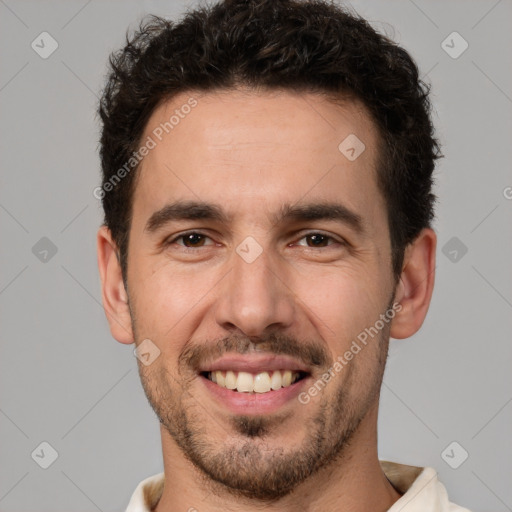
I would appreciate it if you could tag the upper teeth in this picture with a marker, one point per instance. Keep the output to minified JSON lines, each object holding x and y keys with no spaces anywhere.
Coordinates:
{"x":259,"y":383}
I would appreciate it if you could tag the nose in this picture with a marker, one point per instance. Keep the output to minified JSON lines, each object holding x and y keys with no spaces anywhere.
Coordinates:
{"x":255,"y":297}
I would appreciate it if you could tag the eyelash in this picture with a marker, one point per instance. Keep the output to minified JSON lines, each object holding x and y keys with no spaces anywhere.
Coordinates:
{"x":187,"y":249}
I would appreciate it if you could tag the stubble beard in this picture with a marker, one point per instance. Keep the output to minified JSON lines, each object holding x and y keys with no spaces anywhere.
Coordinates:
{"x":249,"y":467}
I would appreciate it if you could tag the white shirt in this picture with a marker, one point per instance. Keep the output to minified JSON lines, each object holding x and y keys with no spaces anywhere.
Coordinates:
{"x":421,"y":489}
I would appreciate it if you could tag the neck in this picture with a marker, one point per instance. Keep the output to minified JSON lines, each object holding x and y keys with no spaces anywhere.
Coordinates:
{"x":354,"y":482}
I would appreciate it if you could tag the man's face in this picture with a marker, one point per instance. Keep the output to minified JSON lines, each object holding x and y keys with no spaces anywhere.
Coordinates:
{"x":270,"y":297}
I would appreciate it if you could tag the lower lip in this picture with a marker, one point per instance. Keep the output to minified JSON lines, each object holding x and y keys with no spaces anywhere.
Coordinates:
{"x":254,"y":403}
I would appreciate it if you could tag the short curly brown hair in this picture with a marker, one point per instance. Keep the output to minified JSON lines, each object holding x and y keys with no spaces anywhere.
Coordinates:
{"x":311,"y":46}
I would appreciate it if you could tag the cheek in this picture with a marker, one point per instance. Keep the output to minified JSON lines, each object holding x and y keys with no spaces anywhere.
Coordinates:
{"x":165,"y":301}
{"x":341,"y":303}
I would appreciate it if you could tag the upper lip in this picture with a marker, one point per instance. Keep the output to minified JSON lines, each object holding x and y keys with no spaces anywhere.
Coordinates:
{"x":254,"y":364}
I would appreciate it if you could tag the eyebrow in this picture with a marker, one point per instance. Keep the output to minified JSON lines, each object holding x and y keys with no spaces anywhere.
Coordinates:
{"x":198,"y":210}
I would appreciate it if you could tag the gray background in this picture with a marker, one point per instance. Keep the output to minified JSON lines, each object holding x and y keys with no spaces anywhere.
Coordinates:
{"x":64,"y":380}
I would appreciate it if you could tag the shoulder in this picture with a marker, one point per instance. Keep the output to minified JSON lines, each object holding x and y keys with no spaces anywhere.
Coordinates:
{"x":146,"y":494}
{"x":420,"y":488}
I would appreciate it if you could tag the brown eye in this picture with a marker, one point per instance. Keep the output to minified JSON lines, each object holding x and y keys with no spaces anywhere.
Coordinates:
{"x":194,"y":239}
{"x":190,"y":240}
{"x":318,"y":240}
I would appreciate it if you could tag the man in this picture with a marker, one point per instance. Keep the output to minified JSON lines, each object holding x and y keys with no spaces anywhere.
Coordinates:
{"x":267,"y":172}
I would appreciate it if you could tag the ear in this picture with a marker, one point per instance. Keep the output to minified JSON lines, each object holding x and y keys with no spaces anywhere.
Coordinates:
{"x":115,"y":298}
{"x":416,"y":284}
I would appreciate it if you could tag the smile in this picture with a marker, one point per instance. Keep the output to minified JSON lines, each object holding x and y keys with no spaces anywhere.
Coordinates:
{"x":262,"y":382}
{"x":254,"y":384}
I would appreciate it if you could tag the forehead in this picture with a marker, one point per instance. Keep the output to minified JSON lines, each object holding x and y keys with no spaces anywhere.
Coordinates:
{"x":248,"y":149}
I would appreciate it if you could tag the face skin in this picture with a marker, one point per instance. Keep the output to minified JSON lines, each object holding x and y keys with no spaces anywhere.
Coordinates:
{"x":295,"y":295}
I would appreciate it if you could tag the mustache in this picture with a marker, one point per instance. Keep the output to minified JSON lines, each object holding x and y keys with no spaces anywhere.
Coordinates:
{"x":310,"y":353}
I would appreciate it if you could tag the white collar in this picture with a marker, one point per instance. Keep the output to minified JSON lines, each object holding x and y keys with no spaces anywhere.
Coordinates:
{"x":421,"y":489}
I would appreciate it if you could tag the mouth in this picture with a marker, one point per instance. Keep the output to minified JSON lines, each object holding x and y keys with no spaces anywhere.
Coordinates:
{"x":262,"y":382}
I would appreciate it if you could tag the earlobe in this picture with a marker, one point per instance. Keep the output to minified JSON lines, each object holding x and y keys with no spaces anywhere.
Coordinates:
{"x":414,"y":290}
{"x":114,"y":296}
